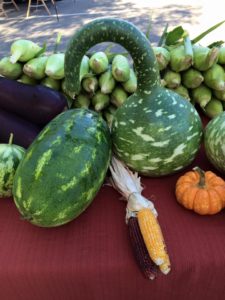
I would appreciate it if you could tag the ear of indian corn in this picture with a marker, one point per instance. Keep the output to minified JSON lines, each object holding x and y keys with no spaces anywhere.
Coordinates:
{"x":153,"y":238}
{"x":147,"y":266}
{"x":165,"y":267}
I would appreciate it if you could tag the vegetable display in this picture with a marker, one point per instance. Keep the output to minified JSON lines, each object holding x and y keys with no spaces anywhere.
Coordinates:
{"x":10,"y":157}
{"x":63,"y":169}
{"x":156,"y":132}
{"x":73,"y":109}
{"x":202,"y":192}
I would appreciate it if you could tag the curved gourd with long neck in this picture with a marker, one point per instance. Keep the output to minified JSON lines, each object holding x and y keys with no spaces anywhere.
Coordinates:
{"x":155,"y":132}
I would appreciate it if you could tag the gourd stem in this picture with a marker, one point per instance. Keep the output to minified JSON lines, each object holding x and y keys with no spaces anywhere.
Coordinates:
{"x":11,"y":138}
{"x":201,"y":173}
{"x":116,"y":31}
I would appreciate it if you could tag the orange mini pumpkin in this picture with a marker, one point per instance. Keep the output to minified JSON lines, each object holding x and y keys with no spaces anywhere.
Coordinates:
{"x":202,"y":192}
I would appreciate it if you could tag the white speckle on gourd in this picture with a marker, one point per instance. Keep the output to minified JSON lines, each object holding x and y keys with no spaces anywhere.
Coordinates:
{"x":191,"y":136}
{"x":167,"y":128}
{"x":149,"y":168}
{"x":116,"y":124}
{"x":139,"y":156}
{"x":145,"y":137}
{"x":131,"y":121}
{"x":174,"y":102}
{"x":125,"y":140}
{"x":160,"y":144}
{"x":178,"y":168}
{"x":179,"y":150}
{"x":172,"y":116}
{"x":159,"y":113}
{"x":123,"y":123}
{"x":147,"y":92}
{"x":155,"y":160}
{"x":140,"y":101}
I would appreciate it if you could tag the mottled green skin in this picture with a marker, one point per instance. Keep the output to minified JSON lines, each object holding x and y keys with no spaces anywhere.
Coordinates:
{"x":63,"y":168}
{"x":10,"y":157}
{"x":214,"y":142}
{"x":149,"y":109}
{"x":156,"y":136}
{"x":117,"y":31}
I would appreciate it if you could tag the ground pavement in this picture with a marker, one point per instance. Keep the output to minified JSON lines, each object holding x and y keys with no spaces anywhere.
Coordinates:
{"x":195,"y":16}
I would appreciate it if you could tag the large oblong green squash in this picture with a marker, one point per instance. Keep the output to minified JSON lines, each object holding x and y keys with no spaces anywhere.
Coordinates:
{"x":63,"y":169}
{"x":155,"y":132}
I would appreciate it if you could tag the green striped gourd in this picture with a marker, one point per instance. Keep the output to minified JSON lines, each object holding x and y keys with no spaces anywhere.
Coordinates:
{"x":63,"y":168}
{"x":10,"y":157}
{"x":155,"y":132}
{"x":214,"y":140}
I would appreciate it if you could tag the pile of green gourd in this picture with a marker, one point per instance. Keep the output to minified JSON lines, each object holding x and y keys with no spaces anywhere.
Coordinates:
{"x":107,"y":80}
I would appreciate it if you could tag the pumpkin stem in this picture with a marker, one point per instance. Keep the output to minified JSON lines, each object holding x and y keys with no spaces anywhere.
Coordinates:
{"x":201,"y":173}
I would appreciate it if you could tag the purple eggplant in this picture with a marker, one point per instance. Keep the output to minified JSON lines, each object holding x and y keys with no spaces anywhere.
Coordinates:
{"x":37,"y":104}
{"x":23,"y":131}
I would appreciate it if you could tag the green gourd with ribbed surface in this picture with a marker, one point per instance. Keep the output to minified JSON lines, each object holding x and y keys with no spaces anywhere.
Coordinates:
{"x":155,"y":132}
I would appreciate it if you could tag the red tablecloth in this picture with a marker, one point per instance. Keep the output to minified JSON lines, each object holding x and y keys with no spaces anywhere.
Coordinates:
{"x":91,"y":258}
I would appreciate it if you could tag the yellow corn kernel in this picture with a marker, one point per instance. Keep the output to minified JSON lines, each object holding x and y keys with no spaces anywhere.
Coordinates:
{"x":152,"y":236}
{"x":165,"y":267}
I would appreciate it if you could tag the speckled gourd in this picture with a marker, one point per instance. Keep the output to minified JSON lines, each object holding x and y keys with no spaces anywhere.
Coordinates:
{"x":155,"y":132}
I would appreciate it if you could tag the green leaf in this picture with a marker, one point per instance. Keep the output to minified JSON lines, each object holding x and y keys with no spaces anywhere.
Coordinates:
{"x":42,"y":51}
{"x":216,"y":44}
{"x":203,"y":34}
{"x":57,"y":42}
{"x":163,"y":36}
{"x":149,"y":28}
{"x":174,"y":36}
